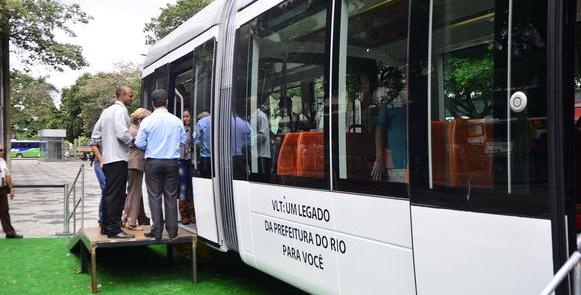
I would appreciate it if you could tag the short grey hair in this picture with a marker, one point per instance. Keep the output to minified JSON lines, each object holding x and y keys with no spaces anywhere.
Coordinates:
{"x":120,"y":90}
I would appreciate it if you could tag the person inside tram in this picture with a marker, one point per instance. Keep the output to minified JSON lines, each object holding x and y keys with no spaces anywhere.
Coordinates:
{"x":186,"y":200}
{"x":263,"y":138}
{"x":359,"y":109}
{"x":290,"y":119}
{"x":241,"y":132}
{"x":203,"y":142}
{"x":390,"y":132}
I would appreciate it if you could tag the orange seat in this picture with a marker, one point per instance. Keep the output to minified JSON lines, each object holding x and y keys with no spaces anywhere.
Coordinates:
{"x":302,"y":154}
{"x":459,"y":154}
{"x":477,"y":164}
{"x":287,"y":157}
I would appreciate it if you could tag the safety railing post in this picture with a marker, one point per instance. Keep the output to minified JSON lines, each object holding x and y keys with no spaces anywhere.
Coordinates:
{"x":83,"y":196}
{"x":74,"y":207}
{"x":66,"y":211}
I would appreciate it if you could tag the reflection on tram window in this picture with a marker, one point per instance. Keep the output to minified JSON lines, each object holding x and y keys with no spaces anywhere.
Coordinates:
{"x":201,"y":109}
{"x":280,"y":94}
{"x":372,"y":116}
{"x":160,"y":78}
{"x":477,"y":143}
{"x":155,"y":80}
{"x":146,"y":90}
{"x":181,"y":92}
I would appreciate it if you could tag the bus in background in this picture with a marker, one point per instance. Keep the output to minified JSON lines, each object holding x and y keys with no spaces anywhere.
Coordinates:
{"x":25,"y":149}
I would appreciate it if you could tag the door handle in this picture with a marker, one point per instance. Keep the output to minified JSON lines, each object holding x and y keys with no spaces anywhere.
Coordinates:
{"x":518,"y":101}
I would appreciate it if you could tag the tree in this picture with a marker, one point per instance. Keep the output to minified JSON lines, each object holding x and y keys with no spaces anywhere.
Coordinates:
{"x":100,"y":93}
{"x":31,"y":104}
{"x":171,"y":17}
{"x":83,"y":102}
{"x":469,"y":86}
{"x":72,"y":101}
{"x":31,"y":25}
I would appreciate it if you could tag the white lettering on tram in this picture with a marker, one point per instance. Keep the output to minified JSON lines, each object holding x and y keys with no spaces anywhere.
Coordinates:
{"x":301,"y":210}
{"x":307,"y":237}
{"x":303,"y":256}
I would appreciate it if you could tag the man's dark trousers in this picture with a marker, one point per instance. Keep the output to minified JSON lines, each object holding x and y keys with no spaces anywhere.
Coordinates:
{"x":114,"y":196}
{"x":4,"y":214}
{"x":162,"y":178}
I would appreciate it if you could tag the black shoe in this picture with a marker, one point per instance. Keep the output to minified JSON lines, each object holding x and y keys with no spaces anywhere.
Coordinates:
{"x":152,"y":235}
{"x":14,"y":236}
{"x":122,"y":235}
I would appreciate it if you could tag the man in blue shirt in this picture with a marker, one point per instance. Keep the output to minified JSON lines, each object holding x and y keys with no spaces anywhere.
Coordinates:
{"x":161,"y":135}
{"x":391,"y":129}
{"x":240,"y":142}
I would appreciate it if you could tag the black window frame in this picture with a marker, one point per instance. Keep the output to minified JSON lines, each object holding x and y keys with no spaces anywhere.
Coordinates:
{"x":174,"y":72}
{"x":147,"y":81}
{"x":294,"y":181}
{"x":478,"y":200}
{"x":214,"y":42}
{"x":375,"y":189}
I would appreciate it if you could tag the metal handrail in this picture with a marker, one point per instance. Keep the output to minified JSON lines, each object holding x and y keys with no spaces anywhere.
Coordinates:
{"x":563,"y":272}
{"x":81,"y":169}
{"x":72,"y":214}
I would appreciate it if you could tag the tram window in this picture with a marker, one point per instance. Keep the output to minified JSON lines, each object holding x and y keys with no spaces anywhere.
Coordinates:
{"x":483,"y":155}
{"x":203,"y":78}
{"x":146,"y":90}
{"x":160,"y":78}
{"x":182,"y":85}
{"x":372,"y":109}
{"x":280,"y":96}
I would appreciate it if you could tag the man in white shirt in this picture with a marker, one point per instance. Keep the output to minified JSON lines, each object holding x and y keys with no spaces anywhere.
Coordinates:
{"x":5,"y":188}
{"x":263,"y":141}
{"x":112,"y":129}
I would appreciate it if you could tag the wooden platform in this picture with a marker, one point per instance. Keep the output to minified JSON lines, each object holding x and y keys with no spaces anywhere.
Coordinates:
{"x":90,"y":239}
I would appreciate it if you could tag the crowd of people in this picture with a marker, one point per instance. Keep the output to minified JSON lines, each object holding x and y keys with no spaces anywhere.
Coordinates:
{"x":152,"y":145}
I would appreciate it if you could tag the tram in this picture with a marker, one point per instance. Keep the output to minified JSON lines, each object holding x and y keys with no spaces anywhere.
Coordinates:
{"x":383,"y":146}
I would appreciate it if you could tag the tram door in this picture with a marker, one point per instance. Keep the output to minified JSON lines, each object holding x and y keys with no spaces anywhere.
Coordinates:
{"x":203,"y":134}
{"x":478,"y":154}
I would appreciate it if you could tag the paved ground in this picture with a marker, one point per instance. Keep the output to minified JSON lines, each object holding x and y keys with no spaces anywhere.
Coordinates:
{"x":38,"y":212}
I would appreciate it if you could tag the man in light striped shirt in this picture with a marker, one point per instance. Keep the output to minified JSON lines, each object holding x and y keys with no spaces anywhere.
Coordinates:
{"x":112,"y":129}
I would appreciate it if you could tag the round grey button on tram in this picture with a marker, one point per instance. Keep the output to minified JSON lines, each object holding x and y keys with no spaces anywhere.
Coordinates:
{"x":518,"y":101}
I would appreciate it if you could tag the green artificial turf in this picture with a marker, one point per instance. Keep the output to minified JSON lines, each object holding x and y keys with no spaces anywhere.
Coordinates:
{"x":45,"y":266}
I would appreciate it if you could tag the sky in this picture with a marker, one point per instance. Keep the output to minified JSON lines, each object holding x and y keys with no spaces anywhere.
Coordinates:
{"x":115,"y":35}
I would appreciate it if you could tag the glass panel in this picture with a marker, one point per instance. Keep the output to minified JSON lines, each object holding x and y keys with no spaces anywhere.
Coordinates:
{"x":183,"y":86}
{"x":280,"y":95}
{"x":146,"y":92}
{"x":481,"y":52}
{"x":577,"y":177}
{"x":160,"y":78}
{"x":203,"y":77}
{"x":372,"y":117}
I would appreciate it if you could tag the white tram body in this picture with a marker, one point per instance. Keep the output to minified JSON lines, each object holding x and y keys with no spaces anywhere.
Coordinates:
{"x":464,"y":206}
